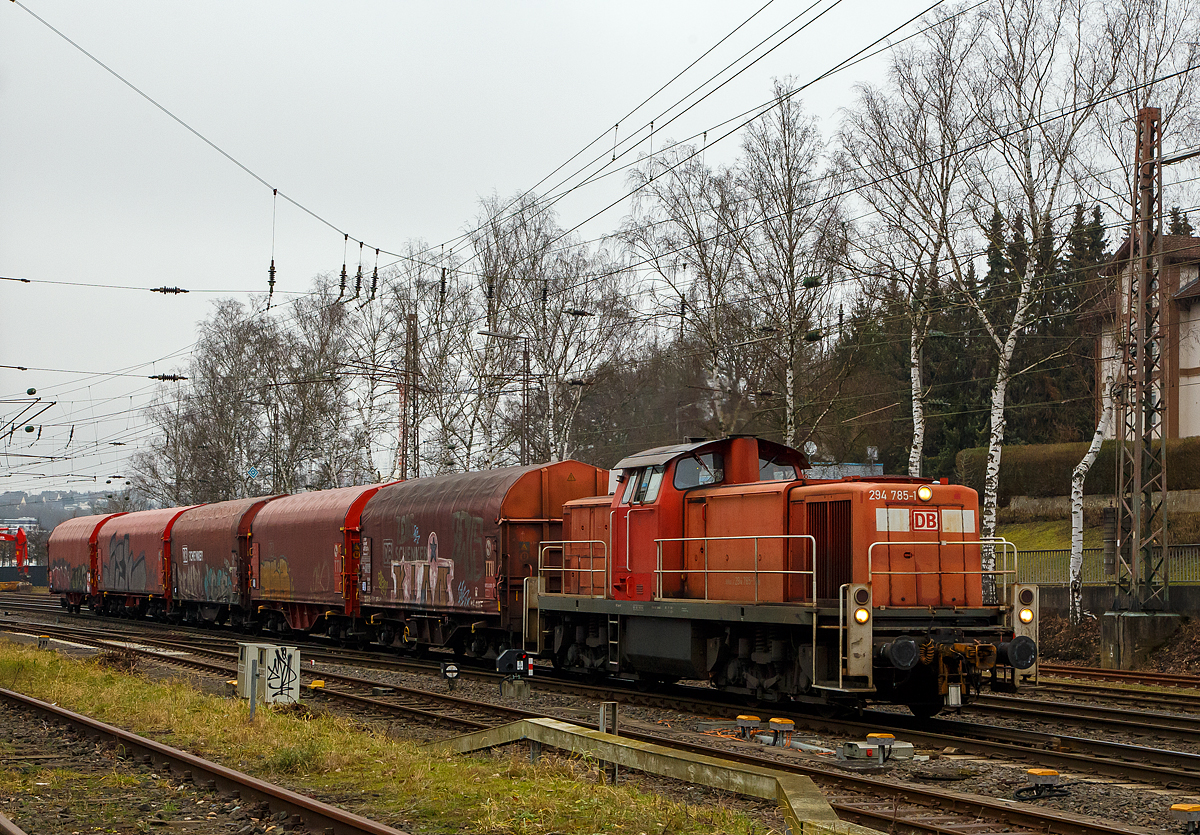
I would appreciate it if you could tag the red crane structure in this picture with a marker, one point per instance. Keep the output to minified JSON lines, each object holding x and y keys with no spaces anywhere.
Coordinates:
{"x":22,"y":547}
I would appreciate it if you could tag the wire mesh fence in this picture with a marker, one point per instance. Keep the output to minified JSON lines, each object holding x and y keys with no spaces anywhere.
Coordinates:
{"x":1051,"y":566}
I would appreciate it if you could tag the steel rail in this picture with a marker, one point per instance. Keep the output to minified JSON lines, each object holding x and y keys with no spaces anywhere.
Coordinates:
{"x":314,"y":812}
{"x":7,"y":827}
{"x":931,"y":802}
{"x":414,"y":710}
{"x":971,"y":805}
{"x":1108,"y":693}
{"x":1141,"y":722}
{"x":1138,"y":677}
{"x":1113,"y":759}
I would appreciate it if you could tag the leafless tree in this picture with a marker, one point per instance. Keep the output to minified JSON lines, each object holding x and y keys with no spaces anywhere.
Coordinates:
{"x":264,"y":409}
{"x":374,"y":331}
{"x":447,"y":319}
{"x":796,"y":240}
{"x":903,"y":149}
{"x":580,"y":319}
{"x":1154,"y":44}
{"x":689,"y":226}
{"x":1042,"y":69}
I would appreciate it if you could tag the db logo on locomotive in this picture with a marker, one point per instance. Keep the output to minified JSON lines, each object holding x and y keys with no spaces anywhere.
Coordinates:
{"x":924,"y":520}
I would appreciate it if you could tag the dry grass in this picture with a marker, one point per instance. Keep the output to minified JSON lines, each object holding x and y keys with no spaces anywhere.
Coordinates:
{"x":361,"y":769}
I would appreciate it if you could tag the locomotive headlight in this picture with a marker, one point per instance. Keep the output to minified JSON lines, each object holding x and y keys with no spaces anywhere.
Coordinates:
{"x":924,"y":492}
{"x":862,"y":615}
{"x":1025,"y":615}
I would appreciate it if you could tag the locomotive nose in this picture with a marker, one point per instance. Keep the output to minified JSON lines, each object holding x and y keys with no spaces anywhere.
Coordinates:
{"x":901,"y":653}
{"x":1020,"y":652}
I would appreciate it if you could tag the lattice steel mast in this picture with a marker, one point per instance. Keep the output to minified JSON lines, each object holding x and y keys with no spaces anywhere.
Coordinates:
{"x":1143,"y":396}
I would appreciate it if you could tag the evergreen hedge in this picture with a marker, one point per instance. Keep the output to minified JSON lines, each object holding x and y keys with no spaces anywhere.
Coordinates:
{"x":1044,"y":470}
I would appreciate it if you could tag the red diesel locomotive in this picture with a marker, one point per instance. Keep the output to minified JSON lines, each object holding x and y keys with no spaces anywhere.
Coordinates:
{"x":714,"y":560}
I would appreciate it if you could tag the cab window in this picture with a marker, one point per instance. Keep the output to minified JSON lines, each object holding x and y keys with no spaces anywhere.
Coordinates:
{"x":697,"y":470}
{"x":643,"y":485}
{"x":631,"y":486}
{"x":649,"y":484}
{"x":769,"y":469}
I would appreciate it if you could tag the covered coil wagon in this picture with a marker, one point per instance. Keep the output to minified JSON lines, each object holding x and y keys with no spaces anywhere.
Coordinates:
{"x":210,"y":559}
{"x":73,"y":558}
{"x":444,"y":559}
{"x":304,"y":560}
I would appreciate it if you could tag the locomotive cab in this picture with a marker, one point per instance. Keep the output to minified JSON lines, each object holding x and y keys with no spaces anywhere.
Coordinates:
{"x":719,"y":561}
{"x":653,"y":556}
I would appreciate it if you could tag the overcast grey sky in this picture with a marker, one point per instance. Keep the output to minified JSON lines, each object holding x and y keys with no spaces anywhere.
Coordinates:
{"x":390,"y":120}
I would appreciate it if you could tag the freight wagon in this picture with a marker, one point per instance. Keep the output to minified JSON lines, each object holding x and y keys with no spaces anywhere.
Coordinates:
{"x":714,"y":561}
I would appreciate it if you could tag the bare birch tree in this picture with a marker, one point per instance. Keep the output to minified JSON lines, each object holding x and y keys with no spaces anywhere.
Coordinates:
{"x":903,"y":148}
{"x":1078,"y":475}
{"x":689,"y":225}
{"x":796,"y":238}
{"x":1039,"y":76}
{"x":1154,"y":44}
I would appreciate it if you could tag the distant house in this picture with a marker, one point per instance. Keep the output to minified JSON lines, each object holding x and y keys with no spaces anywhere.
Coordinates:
{"x":1181,"y":272}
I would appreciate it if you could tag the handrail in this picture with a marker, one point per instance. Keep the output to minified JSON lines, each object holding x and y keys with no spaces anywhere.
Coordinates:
{"x":560,"y":545}
{"x":841,"y":637}
{"x":608,"y":580}
{"x":1006,"y":547}
{"x":660,"y":571}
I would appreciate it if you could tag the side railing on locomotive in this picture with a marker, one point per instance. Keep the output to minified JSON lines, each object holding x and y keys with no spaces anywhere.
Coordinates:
{"x":572,"y":550}
{"x":549,"y":568}
{"x":1007,"y":549}
{"x":593,"y":581}
{"x":757,"y":571}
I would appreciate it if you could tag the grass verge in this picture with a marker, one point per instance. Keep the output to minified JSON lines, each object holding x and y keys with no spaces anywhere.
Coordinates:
{"x":1032,"y":536}
{"x":358,"y":767}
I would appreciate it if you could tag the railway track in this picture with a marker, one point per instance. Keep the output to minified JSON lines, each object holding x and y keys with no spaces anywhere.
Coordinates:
{"x":1150,"y":679}
{"x":1149,"y":765}
{"x":869,"y":800}
{"x":1181,"y":699}
{"x":440,"y":710}
{"x":213,"y":776}
{"x":1160,"y":725}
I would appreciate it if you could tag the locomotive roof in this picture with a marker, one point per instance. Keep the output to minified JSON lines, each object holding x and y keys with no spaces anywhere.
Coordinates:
{"x":658,"y":455}
{"x":663,"y":454}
